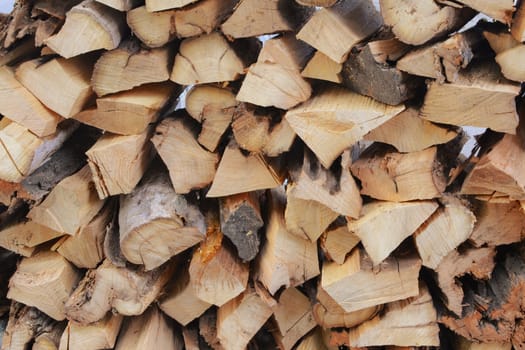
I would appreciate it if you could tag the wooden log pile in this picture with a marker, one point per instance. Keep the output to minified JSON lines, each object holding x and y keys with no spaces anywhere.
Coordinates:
{"x":259,"y":174}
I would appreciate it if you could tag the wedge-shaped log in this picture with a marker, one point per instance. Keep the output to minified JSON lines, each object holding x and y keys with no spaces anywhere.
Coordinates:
{"x":395,"y":279}
{"x":48,"y":81}
{"x":89,"y":26}
{"x":127,"y":290}
{"x":121,"y":5}
{"x":44,"y":281}
{"x":190,"y":166}
{"x":339,"y":318}
{"x":19,"y":105}
{"x":156,"y":223}
{"x":485,"y":97}
{"x":323,"y":67}
{"x":285,"y":259}
{"x":98,"y":335}
{"x":240,"y":319}
{"x":384,"y":225}
{"x":411,"y":322}
{"x":335,"y":30}
{"x":335,"y":119}
{"x":22,"y":238}
{"x":337,"y":241}
{"x":159,"y":5}
{"x":500,"y":10}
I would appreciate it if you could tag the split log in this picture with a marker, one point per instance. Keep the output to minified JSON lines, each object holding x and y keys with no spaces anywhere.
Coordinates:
{"x":130,"y":112}
{"x":213,"y":107}
{"x":22,"y":238}
{"x":216,"y":273}
{"x":507,"y":61}
{"x":481,"y":92}
{"x":50,"y":339}
{"x":254,"y":18}
{"x":417,"y":22}
{"x":336,"y":119}
{"x":411,"y":322}
{"x":154,"y":29}
{"x":191,"y":338}
{"x":48,"y":80}
{"x":44,"y":281}
{"x":517,"y":28}
{"x":478,"y":262}
{"x":118,"y":162}
{"x":149,"y":331}
{"x":417,"y":133}
{"x":71,"y":204}
{"x":156,"y":223}
{"x":159,"y":5}
{"x":208,"y":329}
{"x":129,"y":66}
{"x":190,"y":166}
{"x":285,"y":259}
{"x":499,"y":38}
{"x":240,"y":222}
{"x":386,"y":48}
{"x":209,"y":58}
{"x":313,"y":341}
{"x":500,"y":10}
{"x":350,"y":22}
{"x":121,"y":5}
{"x":294,"y":318}
{"x":335,"y":319}
{"x":318,"y":3}
{"x":20,"y":106}
{"x":238,"y":173}
{"x":323,"y":67}
{"x":127,"y":290}
{"x":99,"y":335}
{"x":24,"y":49}
{"x":337,"y":241}
{"x":394,"y":279}
{"x":240,"y":319}
{"x":89,"y":26}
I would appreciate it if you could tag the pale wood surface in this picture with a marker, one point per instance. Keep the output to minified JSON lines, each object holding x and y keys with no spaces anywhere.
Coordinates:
{"x":337,"y":241}
{"x":159,"y":5}
{"x":323,"y":67}
{"x":22,"y":238}
{"x":98,"y":335}
{"x":333,"y":319}
{"x":517,"y":27}
{"x":121,"y":5}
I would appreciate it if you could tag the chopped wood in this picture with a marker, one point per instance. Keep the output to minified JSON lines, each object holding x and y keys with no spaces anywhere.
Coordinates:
{"x":335,"y":30}
{"x":22,"y":238}
{"x":386,"y":48}
{"x":150,"y":330}
{"x":49,"y":339}
{"x":70,"y":205}
{"x":313,"y":341}
{"x":334,"y":319}
{"x":48,"y":80}
{"x":129,"y":66}
{"x":337,"y":241}
{"x":507,"y":61}
{"x":285,"y":50}
{"x":154,"y":29}
{"x":411,"y":322}
{"x":89,"y":26}
{"x":19,"y":105}
{"x":208,"y":329}
{"x":156,"y":223}
{"x":190,"y":166}
{"x":485,"y":97}
{"x":323,"y":67}
{"x":213,"y":107}
{"x":44,"y":281}
{"x":336,"y":119}
{"x":417,"y":22}
{"x":129,"y":112}
{"x":121,"y":5}
{"x":98,"y":335}
{"x":238,"y":173}
{"x":417,"y":133}
{"x":159,"y":5}
{"x":285,"y":259}
{"x":478,"y":262}
{"x":24,"y":49}
{"x":240,"y":319}
{"x":500,"y":10}
{"x":464,"y":344}
{"x":394,"y":279}
{"x":191,"y":338}
{"x":253,"y":18}
{"x":129,"y":291}
{"x":517,"y":28}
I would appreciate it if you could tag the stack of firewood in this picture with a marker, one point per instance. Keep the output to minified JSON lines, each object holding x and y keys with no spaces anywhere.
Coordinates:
{"x":173,"y":177}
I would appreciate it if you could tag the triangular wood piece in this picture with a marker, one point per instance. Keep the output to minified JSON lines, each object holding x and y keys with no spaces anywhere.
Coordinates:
{"x":335,"y":319}
{"x":22,"y":238}
{"x":337,"y":241}
{"x":323,"y":67}
{"x":159,"y":5}
{"x":99,"y":335}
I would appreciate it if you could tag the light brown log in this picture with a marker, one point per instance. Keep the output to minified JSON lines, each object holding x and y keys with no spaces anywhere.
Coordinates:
{"x":517,"y":28}
{"x":149,"y":331}
{"x":98,"y":335}
{"x":129,"y":112}
{"x":159,"y":5}
{"x":335,"y":119}
{"x":129,"y":291}
{"x":49,"y":339}
{"x":485,"y":97}
{"x":323,"y":67}
{"x":156,"y":223}
{"x":293,"y":316}
{"x":384,"y":225}
{"x":154,"y":29}
{"x":253,"y":18}
{"x":22,"y":238}
{"x":191,"y":338}
{"x":208,"y":329}
{"x":71,"y":204}
{"x":89,"y":26}
{"x":335,"y":30}
{"x":16,"y":53}
{"x":44,"y":281}
{"x":417,"y":22}
{"x":313,"y":341}
{"x":121,"y":5}
{"x":238,"y":173}
{"x":19,"y":105}
{"x":190,"y":166}
{"x":48,"y":81}
{"x":240,"y":319}
{"x":386,"y":48}
{"x":213,"y":107}
{"x":216,"y":273}
{"x":129,"y":66}
{"x":507,"y":61}
{"x":394,"y":279}
{"x":334,"y":319}
{"x":285,"y":259}
{"x":118,"y":162}
{"x":411,"y":322}
{"x":407,"y":132}
{"x":500,"y":10}
{"x":337,"y":241}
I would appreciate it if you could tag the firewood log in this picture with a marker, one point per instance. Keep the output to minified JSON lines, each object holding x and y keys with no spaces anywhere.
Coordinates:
{"x":313,"y":341}
{"x":50,"y":339}
{"x":500,"y":10}
{"x":337,"y":241}
{"x":208,"y":329}
{"x":159,"y":5}
{"x":121,"y":5}
{"x":22,"y":238}
{"x":334,"y":319}
{"x":323,"y":67}
{"x":98,"y":335}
